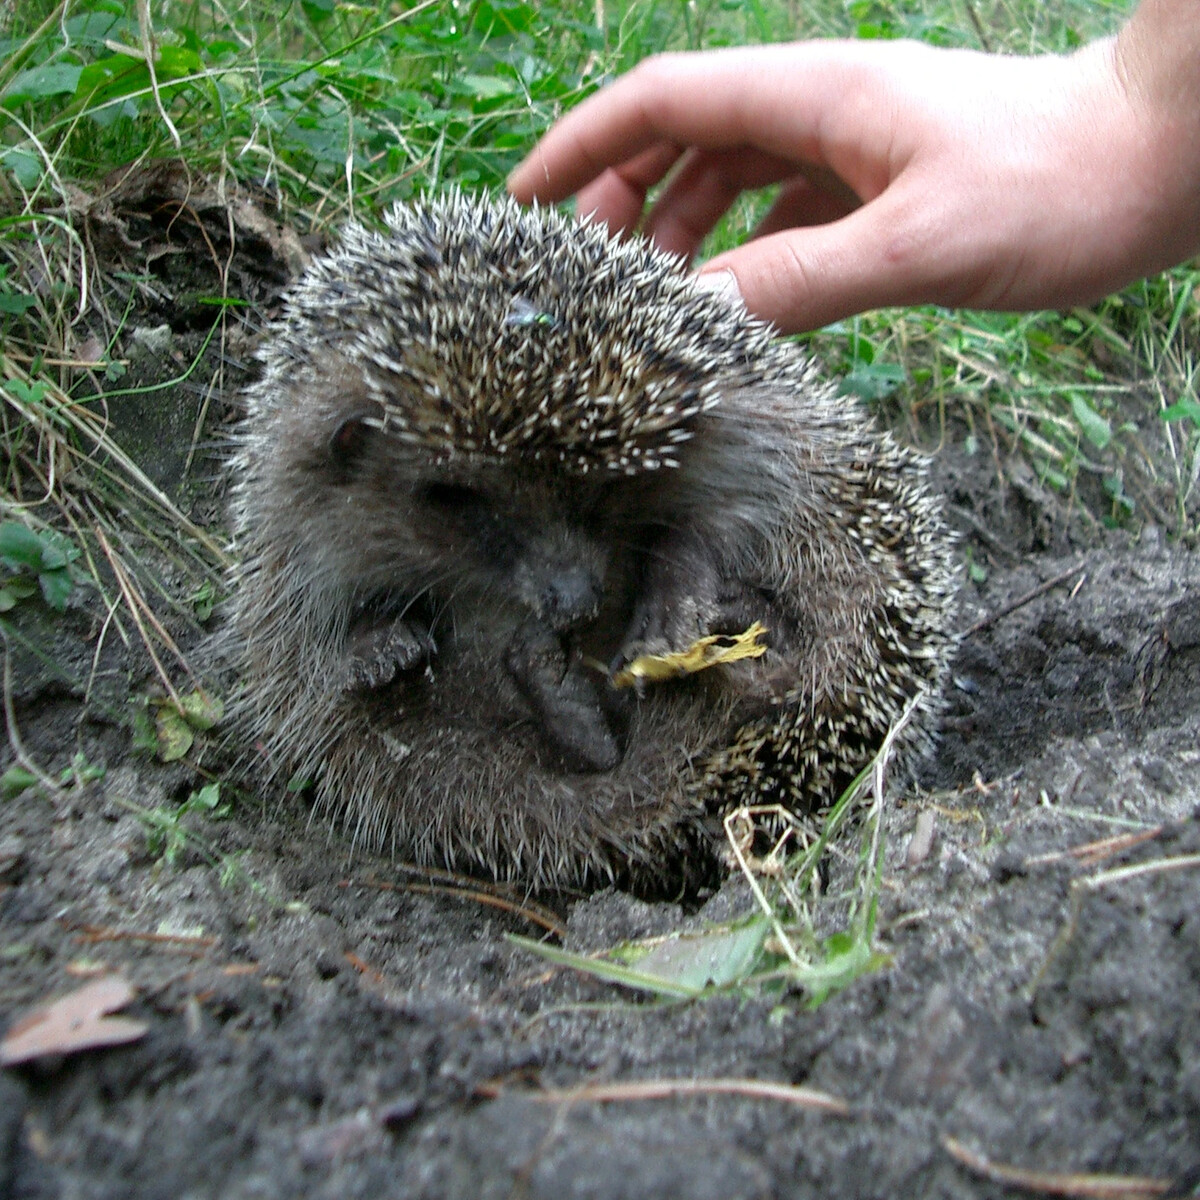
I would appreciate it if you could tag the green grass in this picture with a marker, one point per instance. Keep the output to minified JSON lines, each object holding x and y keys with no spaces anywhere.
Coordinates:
{"x":1100,"y":402}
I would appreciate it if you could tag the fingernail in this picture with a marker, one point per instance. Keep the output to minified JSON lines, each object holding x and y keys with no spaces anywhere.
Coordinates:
{"x":722,"y":284}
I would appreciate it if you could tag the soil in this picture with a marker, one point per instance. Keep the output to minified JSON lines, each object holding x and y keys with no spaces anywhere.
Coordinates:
{"x":320,"y":1025}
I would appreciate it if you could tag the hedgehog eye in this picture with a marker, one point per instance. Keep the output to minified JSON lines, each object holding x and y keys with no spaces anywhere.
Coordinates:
{"x":451,"y":498}
{"x":349,"y":440}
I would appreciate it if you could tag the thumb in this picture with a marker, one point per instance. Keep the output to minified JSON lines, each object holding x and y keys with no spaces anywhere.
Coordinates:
{"x":803,"y":278}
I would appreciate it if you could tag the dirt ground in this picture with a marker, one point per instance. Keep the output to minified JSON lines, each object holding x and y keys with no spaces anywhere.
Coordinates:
{"x":317,"y":1028}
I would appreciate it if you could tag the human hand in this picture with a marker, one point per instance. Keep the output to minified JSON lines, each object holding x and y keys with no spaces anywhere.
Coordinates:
{"x":908,"y":174}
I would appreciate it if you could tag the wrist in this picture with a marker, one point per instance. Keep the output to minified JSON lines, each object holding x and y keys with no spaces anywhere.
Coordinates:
{"x":1146,"y":94}
{"x":1156,"y":57}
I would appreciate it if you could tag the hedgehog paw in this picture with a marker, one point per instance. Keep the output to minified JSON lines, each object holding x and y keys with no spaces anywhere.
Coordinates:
{"x":686,"y":596}
{"x":379,"y":652}
{"x":563,"y":699}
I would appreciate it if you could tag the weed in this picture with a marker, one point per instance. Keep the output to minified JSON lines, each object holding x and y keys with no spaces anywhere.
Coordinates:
{"x":36,"y":562}
{"x":800,"y":936}
{"x":173,"y":835}
{"x":166,"y":728}
{"x":18,"y":779}
{"x":166,"y":835}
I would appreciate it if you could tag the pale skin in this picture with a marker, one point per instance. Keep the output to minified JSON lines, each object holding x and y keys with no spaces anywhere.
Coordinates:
{"x":908,"y":174}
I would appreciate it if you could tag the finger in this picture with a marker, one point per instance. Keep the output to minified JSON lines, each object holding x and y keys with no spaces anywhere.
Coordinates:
{"x":801,"y":203}
{"x":879,"y":255}
{"x":770,"y":97}
{"x":702,"y":191}
{"x":618,"y":197}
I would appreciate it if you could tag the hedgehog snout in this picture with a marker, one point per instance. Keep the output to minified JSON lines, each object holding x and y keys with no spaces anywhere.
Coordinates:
{"x":564,"y":595}
{"x":560,"y":580}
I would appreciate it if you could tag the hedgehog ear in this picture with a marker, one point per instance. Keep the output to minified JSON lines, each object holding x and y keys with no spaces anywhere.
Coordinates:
{"x":349,"y":439}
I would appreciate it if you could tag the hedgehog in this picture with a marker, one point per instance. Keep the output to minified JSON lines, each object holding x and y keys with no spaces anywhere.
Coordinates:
{"x":494,"y":457}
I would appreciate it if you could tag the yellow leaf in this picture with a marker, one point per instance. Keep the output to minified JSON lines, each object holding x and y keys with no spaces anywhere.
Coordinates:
{"x":703,"y":653}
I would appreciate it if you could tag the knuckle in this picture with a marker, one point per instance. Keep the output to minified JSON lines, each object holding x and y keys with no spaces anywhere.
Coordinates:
{"x":655,"y":85}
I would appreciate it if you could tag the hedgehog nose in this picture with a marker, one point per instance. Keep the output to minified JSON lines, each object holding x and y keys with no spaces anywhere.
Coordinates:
{"x":570,"y":596}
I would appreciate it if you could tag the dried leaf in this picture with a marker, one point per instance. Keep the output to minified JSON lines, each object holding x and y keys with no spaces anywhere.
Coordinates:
{"x":78,"y":1021}
{"x":703,"y":653}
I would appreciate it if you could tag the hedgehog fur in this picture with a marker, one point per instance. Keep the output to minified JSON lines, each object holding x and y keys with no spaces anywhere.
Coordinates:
{"x":494,"y":454}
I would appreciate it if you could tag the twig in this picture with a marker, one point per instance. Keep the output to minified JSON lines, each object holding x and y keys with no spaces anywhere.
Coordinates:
{"x":150,"y":53}
{"x":137,"y":605}
{"x":364,"y":968}
{"x":1081,"y":888}
{"x":480,"y":894}
{"x":1058,"y":1183}
{"x":192,"y":943}
{"x":980,"y":527}
{"x":980,"y":32}
{"x":1008,"y":609}
{"x":665,"y":1089}
{"x":1094,"y":851}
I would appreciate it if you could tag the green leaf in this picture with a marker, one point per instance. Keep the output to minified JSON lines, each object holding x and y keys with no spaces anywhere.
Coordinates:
{"x":1114,"y":485}
{"x":110,"y":78}
{"x":714,"y":958}
{"x":20,"y":547}
{"x":81,"y":771}
{"x":484,"y":87}
{"x":847,"y":958}
{"x":93,"y":27}
{"x":145,"y":736}
{"x":1095,"y":428}
{"x":684,"y":965}
{"x":27,"y":393}
{"x":208,"y":797}
{"x":872,"y":381}
{"x":57,"y":549}
{"x":200,"y":710}
{"x":45,"y":555}
{"x":1182,"y":410}
{"x":602,"y":969}
{"x":49,"y":79}
{"x":14,"y":591}
{"x":24,"y":164}
{"x":56,"y":588}
{"x":16,"y":780}
{"x":175,"y":735}
{"x":204,"y":601}
{"x":15,"y":303}
{"x":175,"y":62}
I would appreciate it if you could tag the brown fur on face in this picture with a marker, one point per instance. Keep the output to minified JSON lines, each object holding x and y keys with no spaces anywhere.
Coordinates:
{"x":492,"y":457}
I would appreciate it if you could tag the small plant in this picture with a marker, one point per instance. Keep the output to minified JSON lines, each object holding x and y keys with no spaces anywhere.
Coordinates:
{"x":35,"y":562}
{"x":798,"y":937}
{"x":167,"y":728}
{"x":1183,"y":423}
{"x":864,"y":372}
{"x":18,"y":779}
{"x":166,"y":835}
{"x":976,"y":571}
{"x":172,"y":836}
